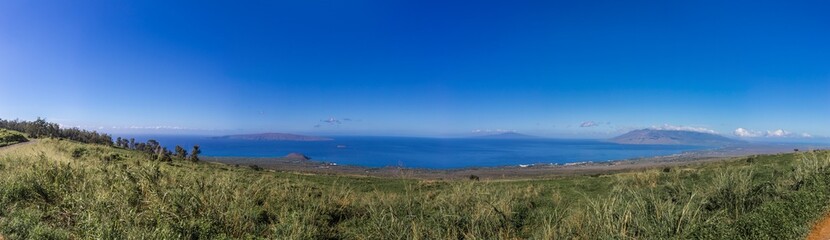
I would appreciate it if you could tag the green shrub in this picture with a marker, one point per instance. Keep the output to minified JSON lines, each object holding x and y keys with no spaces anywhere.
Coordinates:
{"x":255,"y":167}
{"x":9,"y":137}
{"x":78,"y":152}
{"x":108,"y":157}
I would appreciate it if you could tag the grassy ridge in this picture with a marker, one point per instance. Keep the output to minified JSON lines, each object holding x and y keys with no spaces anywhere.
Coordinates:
{"x":62,"y":189}
{"x":9,"y":137}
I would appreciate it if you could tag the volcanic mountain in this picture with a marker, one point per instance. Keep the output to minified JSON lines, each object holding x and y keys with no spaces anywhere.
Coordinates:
{"x":674,"y":137}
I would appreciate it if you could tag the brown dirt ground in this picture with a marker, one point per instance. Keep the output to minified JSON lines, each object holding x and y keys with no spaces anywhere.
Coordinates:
{"x":17,"y":145}
{"x":820,"y":231}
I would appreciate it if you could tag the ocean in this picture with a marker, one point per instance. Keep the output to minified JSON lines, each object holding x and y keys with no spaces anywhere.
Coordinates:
{"x":434,"y":153}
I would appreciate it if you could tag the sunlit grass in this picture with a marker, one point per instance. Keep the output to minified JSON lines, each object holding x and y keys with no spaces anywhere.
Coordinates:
{"x":62,"y":189}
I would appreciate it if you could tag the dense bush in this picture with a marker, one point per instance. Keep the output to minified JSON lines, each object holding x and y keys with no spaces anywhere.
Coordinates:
{"x":8,"y":137}
{"x":78,"y":152}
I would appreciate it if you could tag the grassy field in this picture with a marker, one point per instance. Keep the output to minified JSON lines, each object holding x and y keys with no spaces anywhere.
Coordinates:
{"x":55,"y":189}
{"x":9,"y":137}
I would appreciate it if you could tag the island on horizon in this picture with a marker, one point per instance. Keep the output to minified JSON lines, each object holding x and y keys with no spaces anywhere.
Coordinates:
{"x":674,"y":137}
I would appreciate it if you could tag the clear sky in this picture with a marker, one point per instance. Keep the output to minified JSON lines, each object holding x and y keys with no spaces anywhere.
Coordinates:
{"x":420,"y":68}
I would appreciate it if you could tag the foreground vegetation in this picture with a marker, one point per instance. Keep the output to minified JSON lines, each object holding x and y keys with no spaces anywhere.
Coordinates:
{"x":62,"y":189}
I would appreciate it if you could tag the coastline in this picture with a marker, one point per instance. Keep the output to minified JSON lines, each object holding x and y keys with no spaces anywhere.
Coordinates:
{"x":534,"y":171}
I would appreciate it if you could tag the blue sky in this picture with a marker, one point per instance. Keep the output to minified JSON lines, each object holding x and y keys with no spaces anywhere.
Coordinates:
{"x":419,"y":68}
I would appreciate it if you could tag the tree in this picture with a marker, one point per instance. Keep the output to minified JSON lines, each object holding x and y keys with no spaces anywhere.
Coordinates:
{"x":163,"y":155}
{"x":37,"y":129}
{"x":140,"y":146}
{"x":181,"y":153}
{"x":194,"y":154}
{"x":151,"y":147}
{"x":119,"y":142}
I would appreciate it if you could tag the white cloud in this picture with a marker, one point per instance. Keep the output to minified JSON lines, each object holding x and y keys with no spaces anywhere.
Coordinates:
{"x":588,"y":124}
{"x":742,"y":132}
{"x":332,"y":120}
{"x":492,"y":131}
{"x":62,"y":126}
{"x":155,"y":127}
{"x":684,"y":128}
{"x":779,"y":133}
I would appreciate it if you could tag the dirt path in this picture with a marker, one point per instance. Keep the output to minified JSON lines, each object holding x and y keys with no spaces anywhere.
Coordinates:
{"x":820,"y":231}
{"x":17,"y":145}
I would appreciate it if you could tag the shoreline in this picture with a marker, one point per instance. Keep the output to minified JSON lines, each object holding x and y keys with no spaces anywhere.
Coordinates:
{"x":534,"y":171}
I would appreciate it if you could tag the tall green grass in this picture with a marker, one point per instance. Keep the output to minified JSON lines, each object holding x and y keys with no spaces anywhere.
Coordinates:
{"x":65,"y":190}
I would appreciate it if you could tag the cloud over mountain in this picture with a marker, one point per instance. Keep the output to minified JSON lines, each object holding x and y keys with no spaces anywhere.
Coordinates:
{"x":778,"y":133}
{"x":683,"y":128}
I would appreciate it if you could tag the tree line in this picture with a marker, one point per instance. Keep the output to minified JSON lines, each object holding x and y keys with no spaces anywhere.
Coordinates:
{"x":40,"y":128}
{"x":161,"y":153}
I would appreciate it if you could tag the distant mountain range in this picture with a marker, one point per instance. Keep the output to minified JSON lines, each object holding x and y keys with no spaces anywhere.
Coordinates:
{"x":674,"y":137}
{"x":509,"y":135}
{"x":275,"y":137}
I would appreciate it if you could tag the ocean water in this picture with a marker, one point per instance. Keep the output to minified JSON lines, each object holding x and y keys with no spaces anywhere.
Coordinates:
{"x":432,"y":153}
